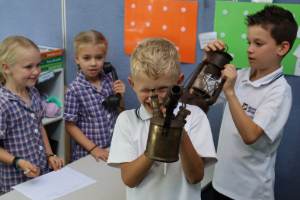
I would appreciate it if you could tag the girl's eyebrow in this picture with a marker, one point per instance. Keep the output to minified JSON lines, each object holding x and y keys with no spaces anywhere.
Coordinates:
{"x":29,"y":64}
{"x":90,"y":54}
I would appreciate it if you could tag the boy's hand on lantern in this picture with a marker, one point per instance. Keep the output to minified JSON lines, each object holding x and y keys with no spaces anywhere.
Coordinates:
{"x":229,"y":74}
{"x":213,"y":46}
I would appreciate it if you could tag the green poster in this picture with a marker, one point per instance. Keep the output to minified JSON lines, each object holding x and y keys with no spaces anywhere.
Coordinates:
{"x":231,"y":28}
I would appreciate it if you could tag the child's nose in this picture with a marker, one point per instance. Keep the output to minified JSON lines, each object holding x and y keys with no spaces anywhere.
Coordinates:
{"x":149,"y":98}
{"x":36,"y":71}
{"x":250,"y":49}
{"x":92,"y":62}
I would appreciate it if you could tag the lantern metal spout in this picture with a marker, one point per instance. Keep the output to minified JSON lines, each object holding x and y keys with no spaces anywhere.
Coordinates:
{"x":165,"y":133}
{"x":205,"y":87}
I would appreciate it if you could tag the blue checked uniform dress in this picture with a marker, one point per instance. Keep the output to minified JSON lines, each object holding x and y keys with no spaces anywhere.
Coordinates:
{"x":83,"y":104}
{"x":21,"y":135}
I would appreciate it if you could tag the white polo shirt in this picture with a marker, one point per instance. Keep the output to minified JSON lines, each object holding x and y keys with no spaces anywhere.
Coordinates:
{"x":243,"y":171}
{"x":129,"y":142}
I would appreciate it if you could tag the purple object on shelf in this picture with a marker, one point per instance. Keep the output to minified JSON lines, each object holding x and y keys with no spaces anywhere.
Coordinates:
{"x":52,"y":110}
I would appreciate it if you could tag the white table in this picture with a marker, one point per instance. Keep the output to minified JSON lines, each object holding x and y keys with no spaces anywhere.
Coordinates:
{"x":109,"y":184}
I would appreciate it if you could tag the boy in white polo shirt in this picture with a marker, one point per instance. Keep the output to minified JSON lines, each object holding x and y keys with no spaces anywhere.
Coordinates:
{"x":258,"y":105}
{"x":155,"y":64}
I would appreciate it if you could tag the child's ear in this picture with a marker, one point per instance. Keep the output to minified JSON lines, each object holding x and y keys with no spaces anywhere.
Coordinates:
{"x":131,"y":82}
{"x":284,"y":48}
{"x":180,"y":79}
{"x":5,"y":68}
{"x":76,"y":59}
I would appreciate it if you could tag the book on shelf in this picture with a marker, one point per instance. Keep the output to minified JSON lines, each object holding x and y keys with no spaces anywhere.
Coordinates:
{"x":51,"y":60}
{"x":51,"y":67}
{"x":49,"y":52}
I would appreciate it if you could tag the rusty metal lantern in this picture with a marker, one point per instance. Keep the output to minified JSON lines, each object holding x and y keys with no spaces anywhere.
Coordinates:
{"x":165,"y":132}
{"x":205,"y":86}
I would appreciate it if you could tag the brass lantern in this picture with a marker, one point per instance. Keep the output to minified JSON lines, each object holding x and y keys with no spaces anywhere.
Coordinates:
{"x":205,"y":87}
{"x":165,"y":132}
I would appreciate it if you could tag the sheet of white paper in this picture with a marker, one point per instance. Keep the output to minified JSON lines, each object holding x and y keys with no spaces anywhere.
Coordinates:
{"x":262,"y":1}
{"x":297,"y":68}
{"x":205,"y":38}
{"x":54,"y":184}
{"x":298,"y":33}
{"x":297,"y":52}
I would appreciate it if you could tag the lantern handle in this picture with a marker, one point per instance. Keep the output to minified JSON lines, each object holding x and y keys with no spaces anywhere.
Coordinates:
{"x":193,"y":73}
{"x":226,"y":48}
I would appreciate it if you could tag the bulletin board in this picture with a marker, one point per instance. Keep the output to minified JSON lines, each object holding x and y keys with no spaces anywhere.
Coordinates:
{"x":230,"y":26}
{"x":173,"y":20}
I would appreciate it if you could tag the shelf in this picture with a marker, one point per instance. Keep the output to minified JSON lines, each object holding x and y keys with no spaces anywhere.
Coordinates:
{"x":55,"y":71}
{"x":47,"y":120}
{"x":55,"y":127}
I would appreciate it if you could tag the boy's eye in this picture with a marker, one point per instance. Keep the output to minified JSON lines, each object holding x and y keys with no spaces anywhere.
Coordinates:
{"x":163,"y":89}
{"x":28,"y":67}
{"x":248,"y":43}
{"x":99,"y":57}
{"x":85,"y":58}
{"x":259,"y":44}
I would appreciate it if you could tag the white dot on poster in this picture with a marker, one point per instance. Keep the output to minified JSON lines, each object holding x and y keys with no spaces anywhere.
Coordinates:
{"x":246,"y":13}
{"x":244,"y":36}
{"x":132,"y":23}
{"x":147,"y":24}
{"x":183,"y":9}
{"x":182,"y":29}
{"x":232,"y":55}
{"x":294,"y":15}
{"x":149,"y":7}
{"x":133,"y":6}
{"x":164,"y":27}
{"x":138,"y":42}
{"x":165,"y":8}
{"x":177,"y":48}
{"x":225,"y":12}
{"x":222,"y":35}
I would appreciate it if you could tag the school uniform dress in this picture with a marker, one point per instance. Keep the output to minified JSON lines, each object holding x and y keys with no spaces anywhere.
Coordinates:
{"x":164,"y":180}
{"x":83,"y":104}
{"x":21,"y":135}
{"x":247,"y":172}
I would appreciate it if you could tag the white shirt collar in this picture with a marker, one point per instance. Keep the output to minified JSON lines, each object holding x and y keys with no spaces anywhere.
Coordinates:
{"x":264,"y":80}
{"x":143,"y":114}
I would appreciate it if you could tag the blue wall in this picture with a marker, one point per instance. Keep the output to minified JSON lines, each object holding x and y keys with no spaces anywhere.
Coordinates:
{"x":41,"y":22}
{"x":37,"y":20}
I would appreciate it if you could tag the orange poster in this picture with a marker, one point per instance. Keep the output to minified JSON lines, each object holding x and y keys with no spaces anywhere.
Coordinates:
{"x":174,"y":20}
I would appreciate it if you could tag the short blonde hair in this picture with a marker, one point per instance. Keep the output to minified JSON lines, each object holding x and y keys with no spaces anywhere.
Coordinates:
{"x":89,"y":37}
{"x":11,"y":48}
{"x":155,"y":57}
